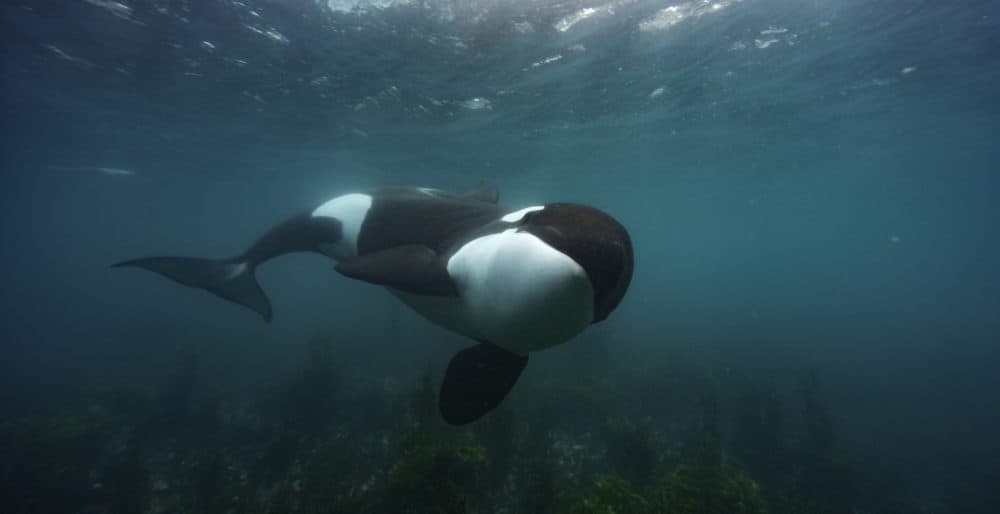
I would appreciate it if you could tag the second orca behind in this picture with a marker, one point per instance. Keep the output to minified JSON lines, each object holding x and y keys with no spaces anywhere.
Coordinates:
{"x":514,"y":280}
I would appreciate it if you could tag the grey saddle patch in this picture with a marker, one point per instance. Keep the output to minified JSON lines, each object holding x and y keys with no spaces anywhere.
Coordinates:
{"x":484,"y":193}
{"x":410,"y":268}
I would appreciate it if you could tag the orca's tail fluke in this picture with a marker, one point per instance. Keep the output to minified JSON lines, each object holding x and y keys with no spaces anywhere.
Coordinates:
{"x":232,"y":279}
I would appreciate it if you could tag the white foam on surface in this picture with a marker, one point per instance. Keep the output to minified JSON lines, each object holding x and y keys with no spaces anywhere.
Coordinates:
{"x":347,"y":6}
{"x":669,"y":17}
{"x":477,"y":104}
{"x":269,"y":33}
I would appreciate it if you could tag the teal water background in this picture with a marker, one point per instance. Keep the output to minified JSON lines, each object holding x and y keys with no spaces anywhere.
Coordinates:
{"x":809,"y":185}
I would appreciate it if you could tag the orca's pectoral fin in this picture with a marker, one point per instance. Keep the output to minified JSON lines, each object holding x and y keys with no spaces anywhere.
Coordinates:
{"x":485,"y":192}
{"x":410,"y":268}
{"x":477,"y":380}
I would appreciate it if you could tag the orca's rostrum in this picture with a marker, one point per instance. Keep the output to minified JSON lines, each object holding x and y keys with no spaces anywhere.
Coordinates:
{"x":515,"y":280}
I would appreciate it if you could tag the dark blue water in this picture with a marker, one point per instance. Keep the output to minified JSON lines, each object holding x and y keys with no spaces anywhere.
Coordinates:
{"x":811,"y":188}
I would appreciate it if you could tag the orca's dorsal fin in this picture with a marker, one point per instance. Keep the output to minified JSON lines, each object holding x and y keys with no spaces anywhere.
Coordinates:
{"x":409,"y":268}
{"x":485,"y":192}
{"x":477,"y":380}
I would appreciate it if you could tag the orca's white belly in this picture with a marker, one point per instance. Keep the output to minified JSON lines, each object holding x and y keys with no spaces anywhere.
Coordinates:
{"x":513,"y":291}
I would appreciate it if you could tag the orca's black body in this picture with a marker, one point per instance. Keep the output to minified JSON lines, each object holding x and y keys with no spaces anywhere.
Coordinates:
{"x":515,"y":281}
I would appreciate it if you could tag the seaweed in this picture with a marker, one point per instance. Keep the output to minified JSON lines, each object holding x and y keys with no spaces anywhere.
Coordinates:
{"x":570,"y":401}
{"x":423,"y":402}
{"x":49,"y":460}
{"x":209,"y":483}
{"x":435,"y":476}
{"x":127,"y":480}
{"x":536,"y":475}
{"x":704,"y":483}
{"x":759,"y":437}
{"x":496,"y":431}
{"x":819,"y":433}
{"x":608,"y":494}
{"x":824,"y":473}
{"x":534,"y":455}
{"x":179,"y":390}
{"x":327,"y":482}
{"x":311,"y":398}
{"x":278,"y":456}
{"x":630,"y":449}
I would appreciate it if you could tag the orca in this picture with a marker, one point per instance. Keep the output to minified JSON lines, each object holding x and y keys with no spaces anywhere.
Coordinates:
{"x":516,"y":281}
